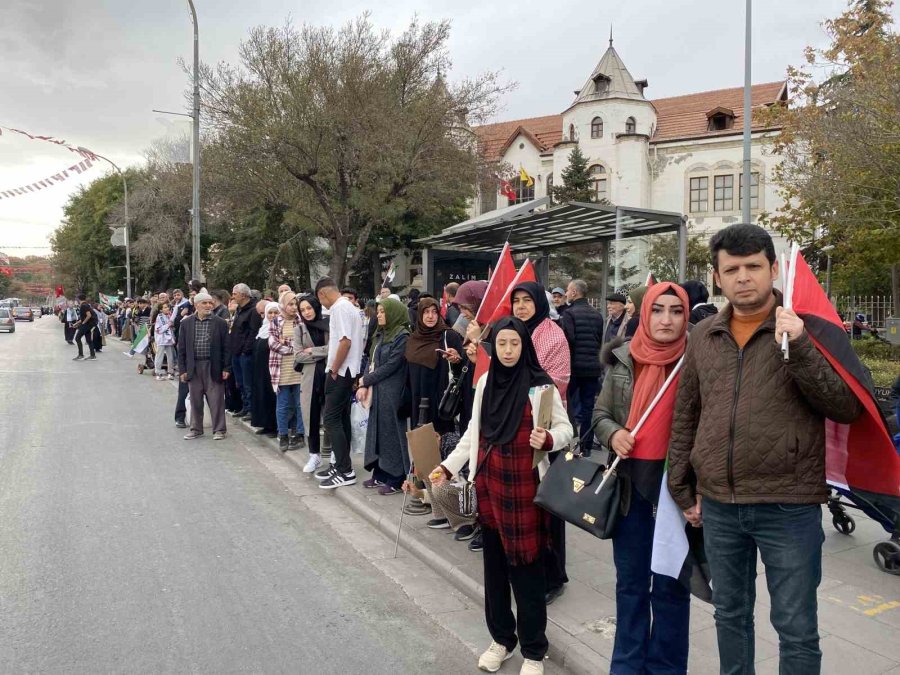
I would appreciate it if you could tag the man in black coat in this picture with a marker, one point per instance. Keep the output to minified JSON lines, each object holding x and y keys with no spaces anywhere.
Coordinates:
{"x":583,"y":326}
{"x":241,"y":341}
{"x":203,"y":364}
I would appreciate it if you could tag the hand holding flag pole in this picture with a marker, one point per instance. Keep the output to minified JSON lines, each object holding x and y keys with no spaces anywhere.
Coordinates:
{"x":790,"y":273}
{"x":644,"y":417}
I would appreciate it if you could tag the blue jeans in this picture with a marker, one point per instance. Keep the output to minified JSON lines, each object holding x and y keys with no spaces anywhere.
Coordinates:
{"x":652,"y":611}
{"x":287,"y":409}
{"x":242,"y":365}
{"x":582,"y":394}
{"x":789,"y":539}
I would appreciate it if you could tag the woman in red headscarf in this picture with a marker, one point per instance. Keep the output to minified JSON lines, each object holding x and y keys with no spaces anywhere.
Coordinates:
{"x":652,"y":611}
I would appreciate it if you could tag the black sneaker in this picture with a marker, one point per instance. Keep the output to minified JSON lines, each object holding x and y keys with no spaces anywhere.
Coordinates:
{"x":476,"y":544}
{"x":325,"y":474}
{"x":337,"y":480}
{"x":465,"y":532}
{"x":180,"y":425}
{"x":438,"y":524}
{"x":78,"y":358}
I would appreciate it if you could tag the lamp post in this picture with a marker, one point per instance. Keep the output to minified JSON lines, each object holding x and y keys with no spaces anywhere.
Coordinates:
{"x":748,"y":119}
{"x":827,"y":250}
{"x":195,"y":202}
{"x":127,"y":226}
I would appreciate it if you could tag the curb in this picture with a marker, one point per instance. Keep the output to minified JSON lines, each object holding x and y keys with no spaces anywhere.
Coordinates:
{"x":568,"y":652}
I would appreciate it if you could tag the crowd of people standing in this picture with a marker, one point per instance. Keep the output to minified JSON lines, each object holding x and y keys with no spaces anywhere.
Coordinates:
{"x":294,"y":364}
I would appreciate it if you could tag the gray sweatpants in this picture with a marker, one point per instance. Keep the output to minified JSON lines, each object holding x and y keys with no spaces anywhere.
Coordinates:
{"x":200,"y":385}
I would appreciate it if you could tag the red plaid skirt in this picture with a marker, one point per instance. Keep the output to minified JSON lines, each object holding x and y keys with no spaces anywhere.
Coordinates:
{"x":506,"y":486}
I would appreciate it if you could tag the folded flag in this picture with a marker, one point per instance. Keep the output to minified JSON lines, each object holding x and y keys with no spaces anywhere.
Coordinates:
{"x":141,"y":340}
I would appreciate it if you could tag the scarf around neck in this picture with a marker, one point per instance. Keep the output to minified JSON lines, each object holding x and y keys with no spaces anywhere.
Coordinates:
{"x":396,"y":318}
{"x":423,"y":343}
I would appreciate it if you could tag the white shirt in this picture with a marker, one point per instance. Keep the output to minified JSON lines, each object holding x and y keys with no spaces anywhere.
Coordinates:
{"x":344,"y":322}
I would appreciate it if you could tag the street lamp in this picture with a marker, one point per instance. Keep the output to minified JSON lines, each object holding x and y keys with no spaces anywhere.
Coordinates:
{"x":828,"y":249}
{"x":127,"y":226}
{"x":195,"y":203}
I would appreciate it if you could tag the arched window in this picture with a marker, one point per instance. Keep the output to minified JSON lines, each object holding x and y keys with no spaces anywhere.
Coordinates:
{"x":524,"y":192}
{"x":596,"y":128}
{"x":630,"y":125}
{"x":599,"y":183}
{"x":571,"y":132}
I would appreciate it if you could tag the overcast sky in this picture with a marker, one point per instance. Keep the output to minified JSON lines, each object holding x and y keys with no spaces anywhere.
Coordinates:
{"x":91,"y":71}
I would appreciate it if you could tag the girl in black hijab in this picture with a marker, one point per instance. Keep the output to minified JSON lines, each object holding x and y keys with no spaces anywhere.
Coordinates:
{"x":505,"y":450}
{"x":311,"y":353}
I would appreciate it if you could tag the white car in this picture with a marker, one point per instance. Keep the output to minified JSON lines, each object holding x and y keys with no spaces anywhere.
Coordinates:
{"x":7,"y":322}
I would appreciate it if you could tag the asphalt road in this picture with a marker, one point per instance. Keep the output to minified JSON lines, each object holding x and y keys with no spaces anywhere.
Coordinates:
{"x":124,"y":548}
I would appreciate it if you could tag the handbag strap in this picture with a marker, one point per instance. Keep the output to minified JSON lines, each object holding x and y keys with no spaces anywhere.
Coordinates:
{"x":478,"y":468}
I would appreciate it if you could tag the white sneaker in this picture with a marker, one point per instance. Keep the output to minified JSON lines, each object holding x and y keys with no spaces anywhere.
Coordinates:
{"x":493,"y":658}
{"x":312,"y":464}
{"x":530,"y":667}
{"x":129,"y":355}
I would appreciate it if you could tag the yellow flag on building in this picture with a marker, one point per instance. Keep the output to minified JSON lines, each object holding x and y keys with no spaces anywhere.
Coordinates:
{"x":524,"y":177}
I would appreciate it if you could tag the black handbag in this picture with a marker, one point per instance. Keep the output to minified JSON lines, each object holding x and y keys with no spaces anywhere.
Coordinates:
{"x":569,"y":490}
{"x":451,"y":399}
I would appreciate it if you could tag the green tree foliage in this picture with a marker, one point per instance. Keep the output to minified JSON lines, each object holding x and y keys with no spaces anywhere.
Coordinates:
{"x":352,"y":129}
{"x":82,"y":254}
{"x":840,"y":169}
{"x":662,"y":257}
{"x":576,"y":181}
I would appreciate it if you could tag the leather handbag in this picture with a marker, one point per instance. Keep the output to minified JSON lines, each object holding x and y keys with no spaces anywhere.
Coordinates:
{"x":468,"y":497}
{"x":451,"y":399}
{"x":570,"y":490}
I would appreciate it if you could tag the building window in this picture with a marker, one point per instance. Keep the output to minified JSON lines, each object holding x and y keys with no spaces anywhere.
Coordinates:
{"x":524,"y":192}
{"x":596,"y":128}
{"x":724,"y":193}
{"x":754,"y":190}
{"x":599,"y":183}
{"x":571,"y":132}
{"x":720,"y":123}
{"x":699,"y":194}
{"x":630,"y":125}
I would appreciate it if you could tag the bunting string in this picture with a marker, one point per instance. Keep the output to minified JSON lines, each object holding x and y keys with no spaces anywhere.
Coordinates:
{"x":88,"y":159}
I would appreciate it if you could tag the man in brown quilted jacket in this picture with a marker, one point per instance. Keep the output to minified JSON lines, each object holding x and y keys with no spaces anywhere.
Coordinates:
{"x":747,"y":454}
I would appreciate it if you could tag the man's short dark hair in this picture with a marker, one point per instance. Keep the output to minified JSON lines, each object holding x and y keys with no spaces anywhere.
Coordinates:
{"x":350,"y":291}
{"x":741,"y":239}
{"x":222,"y":295}
{"x":195,"y":285}
{"x":414,"y":294}
{"x":325,"y":282}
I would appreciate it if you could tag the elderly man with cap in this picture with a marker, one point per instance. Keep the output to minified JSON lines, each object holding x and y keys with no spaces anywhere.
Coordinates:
{"x":559,"y":300}
{"x":615,"y":317}
{"x":203,"y":364}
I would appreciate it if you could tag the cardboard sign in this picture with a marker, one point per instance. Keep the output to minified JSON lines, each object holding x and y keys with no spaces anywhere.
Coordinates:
{"x":425,"y":450}
{"x":545,"y":409}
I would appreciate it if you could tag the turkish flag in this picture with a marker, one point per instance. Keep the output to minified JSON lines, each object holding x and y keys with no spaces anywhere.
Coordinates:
{"x":59,"y":291}
{"x":860,"y":458}
{"x":651,"y":441}
{"x":503,"y":274}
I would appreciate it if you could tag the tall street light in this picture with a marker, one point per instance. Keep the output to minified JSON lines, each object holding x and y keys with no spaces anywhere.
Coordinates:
{"x":195,"y":202}
{"x":127,"y":226}
{"x":748,"y":119}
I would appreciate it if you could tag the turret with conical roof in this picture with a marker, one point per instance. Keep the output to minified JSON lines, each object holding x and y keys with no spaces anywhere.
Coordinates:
{"x":610,"y":79}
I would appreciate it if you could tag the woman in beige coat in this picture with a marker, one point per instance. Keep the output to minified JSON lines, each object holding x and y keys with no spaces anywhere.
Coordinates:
{"x":311,"y":350}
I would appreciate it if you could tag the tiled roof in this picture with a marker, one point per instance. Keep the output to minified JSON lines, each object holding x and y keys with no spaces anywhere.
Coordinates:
{"x":685,"y":116}
{"x":677,"y":117}
{"x":617,"y":81}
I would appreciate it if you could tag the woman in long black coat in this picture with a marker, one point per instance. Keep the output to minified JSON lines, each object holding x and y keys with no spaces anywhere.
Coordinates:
{"x":382,"y":388}
{"x":429,"y":373}
{"x":262,"y":413}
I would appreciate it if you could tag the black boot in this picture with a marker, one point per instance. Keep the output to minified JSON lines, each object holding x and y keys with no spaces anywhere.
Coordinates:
{"x":299,"y":441}
{"x":292,"y":441}
{"x":283,"y":442}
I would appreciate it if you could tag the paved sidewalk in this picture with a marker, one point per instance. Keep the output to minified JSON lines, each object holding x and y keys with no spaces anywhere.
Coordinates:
{"x":859,"y":606}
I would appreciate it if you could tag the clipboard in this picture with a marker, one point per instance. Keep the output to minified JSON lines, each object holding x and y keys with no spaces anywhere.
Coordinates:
{"x":425,"y":450}
{"x":545,"y":408}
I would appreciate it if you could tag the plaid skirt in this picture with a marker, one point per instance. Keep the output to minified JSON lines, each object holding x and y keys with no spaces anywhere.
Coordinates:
{"x":506,"y":485}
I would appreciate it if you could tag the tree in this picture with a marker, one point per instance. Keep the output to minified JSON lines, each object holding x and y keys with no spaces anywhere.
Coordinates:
{"x":840,"y":151}
{"x":358,"y":128}
{"x":576,"y":181}
{"x":662,"y":257}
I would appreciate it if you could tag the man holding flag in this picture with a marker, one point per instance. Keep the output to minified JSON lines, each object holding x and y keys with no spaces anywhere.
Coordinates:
{"x":747,"y":453}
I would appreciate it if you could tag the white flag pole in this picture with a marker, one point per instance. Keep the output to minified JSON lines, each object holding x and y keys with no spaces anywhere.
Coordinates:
{"x":640,"y":423}
{"x":790,"y":275}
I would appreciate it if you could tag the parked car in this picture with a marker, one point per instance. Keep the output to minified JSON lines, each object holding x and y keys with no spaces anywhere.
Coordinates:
{"x":7,"y":322}
{"x":23,"y":314}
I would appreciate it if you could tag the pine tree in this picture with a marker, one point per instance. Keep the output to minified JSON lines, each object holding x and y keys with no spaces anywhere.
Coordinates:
{"x":576,"y":181}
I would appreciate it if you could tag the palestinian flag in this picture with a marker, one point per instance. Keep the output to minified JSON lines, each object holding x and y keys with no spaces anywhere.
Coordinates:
{"x":141,"y":340}
{"x":860,"y":458}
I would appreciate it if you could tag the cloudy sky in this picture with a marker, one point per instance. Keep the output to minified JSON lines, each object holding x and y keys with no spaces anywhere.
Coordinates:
{"x":91,"y":71}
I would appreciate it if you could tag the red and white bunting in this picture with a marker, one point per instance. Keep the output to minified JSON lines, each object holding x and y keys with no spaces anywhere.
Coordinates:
{"x":88,"y":159}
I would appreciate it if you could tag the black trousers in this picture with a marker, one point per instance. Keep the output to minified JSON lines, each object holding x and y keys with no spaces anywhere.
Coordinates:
{"x":69,"y":332}
{"x":555,"y":557}
{"x":85,"y":332}
{"x":527,"y":583}
{"x":337,"y":419}
{"x":313,"y":424}
{"x":181,"y":402}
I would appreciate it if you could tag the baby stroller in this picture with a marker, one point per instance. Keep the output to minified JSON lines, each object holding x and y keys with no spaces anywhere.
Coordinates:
{"x":880,"y":508}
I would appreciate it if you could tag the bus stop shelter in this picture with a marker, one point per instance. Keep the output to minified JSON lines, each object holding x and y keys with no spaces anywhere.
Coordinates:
{"x":538,"y":232}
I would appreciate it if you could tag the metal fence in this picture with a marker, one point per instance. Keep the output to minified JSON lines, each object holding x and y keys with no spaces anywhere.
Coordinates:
{"x":877,"y":308}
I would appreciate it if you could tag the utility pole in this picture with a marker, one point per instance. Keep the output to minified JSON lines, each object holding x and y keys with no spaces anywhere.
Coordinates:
{"x":748,"y":117}
{"x":195,"y":146}
{"x":127,"y":226}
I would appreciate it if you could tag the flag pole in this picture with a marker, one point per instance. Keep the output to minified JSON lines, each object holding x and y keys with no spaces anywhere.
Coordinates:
{"x":789,"y":276}
{"x":640,"y":422}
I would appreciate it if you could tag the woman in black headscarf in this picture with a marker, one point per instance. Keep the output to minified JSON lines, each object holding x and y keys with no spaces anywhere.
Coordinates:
{"x":502,"y":446}
{"x":429,"y":374}
{"x":311,"y":350}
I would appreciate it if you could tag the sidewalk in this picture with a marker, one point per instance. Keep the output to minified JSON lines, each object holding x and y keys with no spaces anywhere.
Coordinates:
{"x":859,"y":606}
